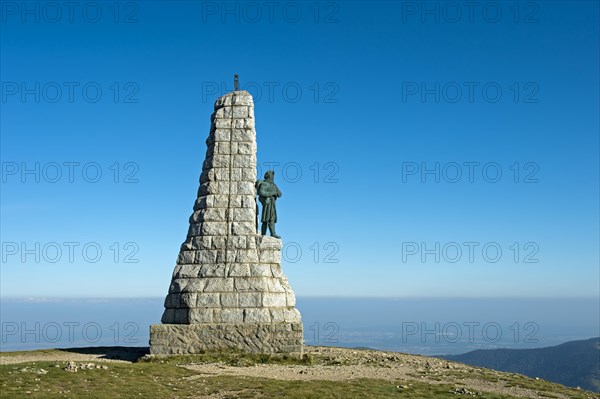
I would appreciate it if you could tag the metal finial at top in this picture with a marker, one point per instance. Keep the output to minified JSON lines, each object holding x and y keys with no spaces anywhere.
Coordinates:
{"x":236,"y":82}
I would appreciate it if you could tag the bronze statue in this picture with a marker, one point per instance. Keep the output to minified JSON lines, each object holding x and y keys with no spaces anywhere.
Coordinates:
{"x":268,"y":192}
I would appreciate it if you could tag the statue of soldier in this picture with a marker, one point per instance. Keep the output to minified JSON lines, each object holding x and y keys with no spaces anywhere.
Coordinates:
{"x":268,"y":192}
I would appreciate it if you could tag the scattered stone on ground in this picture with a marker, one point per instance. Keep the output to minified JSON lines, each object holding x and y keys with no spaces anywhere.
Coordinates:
{"x":74,"y":367}
{"x":332,"y":364}
{"x":33,"y":370}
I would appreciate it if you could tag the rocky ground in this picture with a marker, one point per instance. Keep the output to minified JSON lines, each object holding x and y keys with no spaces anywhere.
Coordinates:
{"x":346,"y":364}
{"x":326,"y":364}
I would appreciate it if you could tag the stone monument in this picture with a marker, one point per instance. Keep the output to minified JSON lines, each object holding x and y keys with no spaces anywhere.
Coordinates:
{"x":228,"y":290}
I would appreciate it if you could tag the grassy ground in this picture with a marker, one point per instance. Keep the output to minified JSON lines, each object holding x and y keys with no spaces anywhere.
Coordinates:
{"x":166,"y":378}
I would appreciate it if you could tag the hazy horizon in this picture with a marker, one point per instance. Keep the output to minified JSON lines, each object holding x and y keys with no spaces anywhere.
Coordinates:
{"x":416,"y":325}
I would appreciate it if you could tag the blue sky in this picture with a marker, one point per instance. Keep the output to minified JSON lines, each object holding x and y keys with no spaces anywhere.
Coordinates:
{"x":353,"y":101}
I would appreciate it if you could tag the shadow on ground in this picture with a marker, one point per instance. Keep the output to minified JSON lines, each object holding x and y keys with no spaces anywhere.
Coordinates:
{"x":126,"y":353}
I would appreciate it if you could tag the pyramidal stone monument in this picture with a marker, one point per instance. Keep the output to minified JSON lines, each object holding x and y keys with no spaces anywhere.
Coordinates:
{"x":228,"y":290}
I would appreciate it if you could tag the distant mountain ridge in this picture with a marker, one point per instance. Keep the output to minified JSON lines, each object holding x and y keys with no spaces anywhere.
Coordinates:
{"x":574,"y":363}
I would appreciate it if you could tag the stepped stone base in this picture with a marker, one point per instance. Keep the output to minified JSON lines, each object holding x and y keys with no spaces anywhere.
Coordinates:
{"x":171,"y":339}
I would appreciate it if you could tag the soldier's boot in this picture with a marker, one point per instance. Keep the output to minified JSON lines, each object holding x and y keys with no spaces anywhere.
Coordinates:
{"x":272,"y":230}
{"x":263,"y":229}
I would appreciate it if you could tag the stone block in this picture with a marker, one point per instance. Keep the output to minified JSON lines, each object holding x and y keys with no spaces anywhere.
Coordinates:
{"x":199,"y":315}
{"x":219,"y":242}
{"x":208,"y":214}
{"x":250,"y":299}
{"x":221,"y":174}
{"x":194,"y":230}
{"x":243,"y":100}
{"x":260,"y":270}
{"x":246,"y":148}
{"x":176,"y":271}
{"x":235,"y":201}
{"x":243,"y":135}
{"x":195,"y":285}
{"x":236,"y":242}
{"x":186,"y":271}
{"x":252,"y":284}
{"x":249,"y":175}
{"x":235,"y":174}
{"x":277,"y":315}
{"x":216,"y":284}
{"x":207,"y":164}
{"x":224,"y":112}
{"x":268,"y":242}
{"x":211,"y":270}
{"x":276,"y":270}
{"x":205,"y":176}
{"x":220,"y":200}
{"x":188,"y":300}
{"x":168,"y":316}
{"x":208,"y":300}
{"x":250,"y":242}
{"x":290,"y":298}
{"x":186,"y":257}
{"x":178,"y":285}
{"x":243,"y":201}
{"x":214,"y":228}
{"x":228,"y":315}
{"x":257,"y":315}
{"x":239,"y":270}
{"x":172,"y":301}
{"x":270,"y":256}
{"x":242,"y":187}
{"x":229,"y":112}
{"x":229,"y":300}
{"x":223,"y":148}
{"x":221,"y":161}
{"x":216,"y":188}
{"x":202,"y":202}
{"x":226,"y":255}
{"x":187,"y":245}
{"x":246,"y":256}
{"x":275,"y":285}
{"x":223,"y":101}
{"x":201,"y":242}
{"x":242,"y":161}
{"x":243,"y":228}
{"x":246,"y":123}
{"x":181,"y":316}
{"x":274,"y":299}
{"x":206,"y":256}
{"x":223,"y":123}
{"x":291,"y":315}
{"x":240,"y":112}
